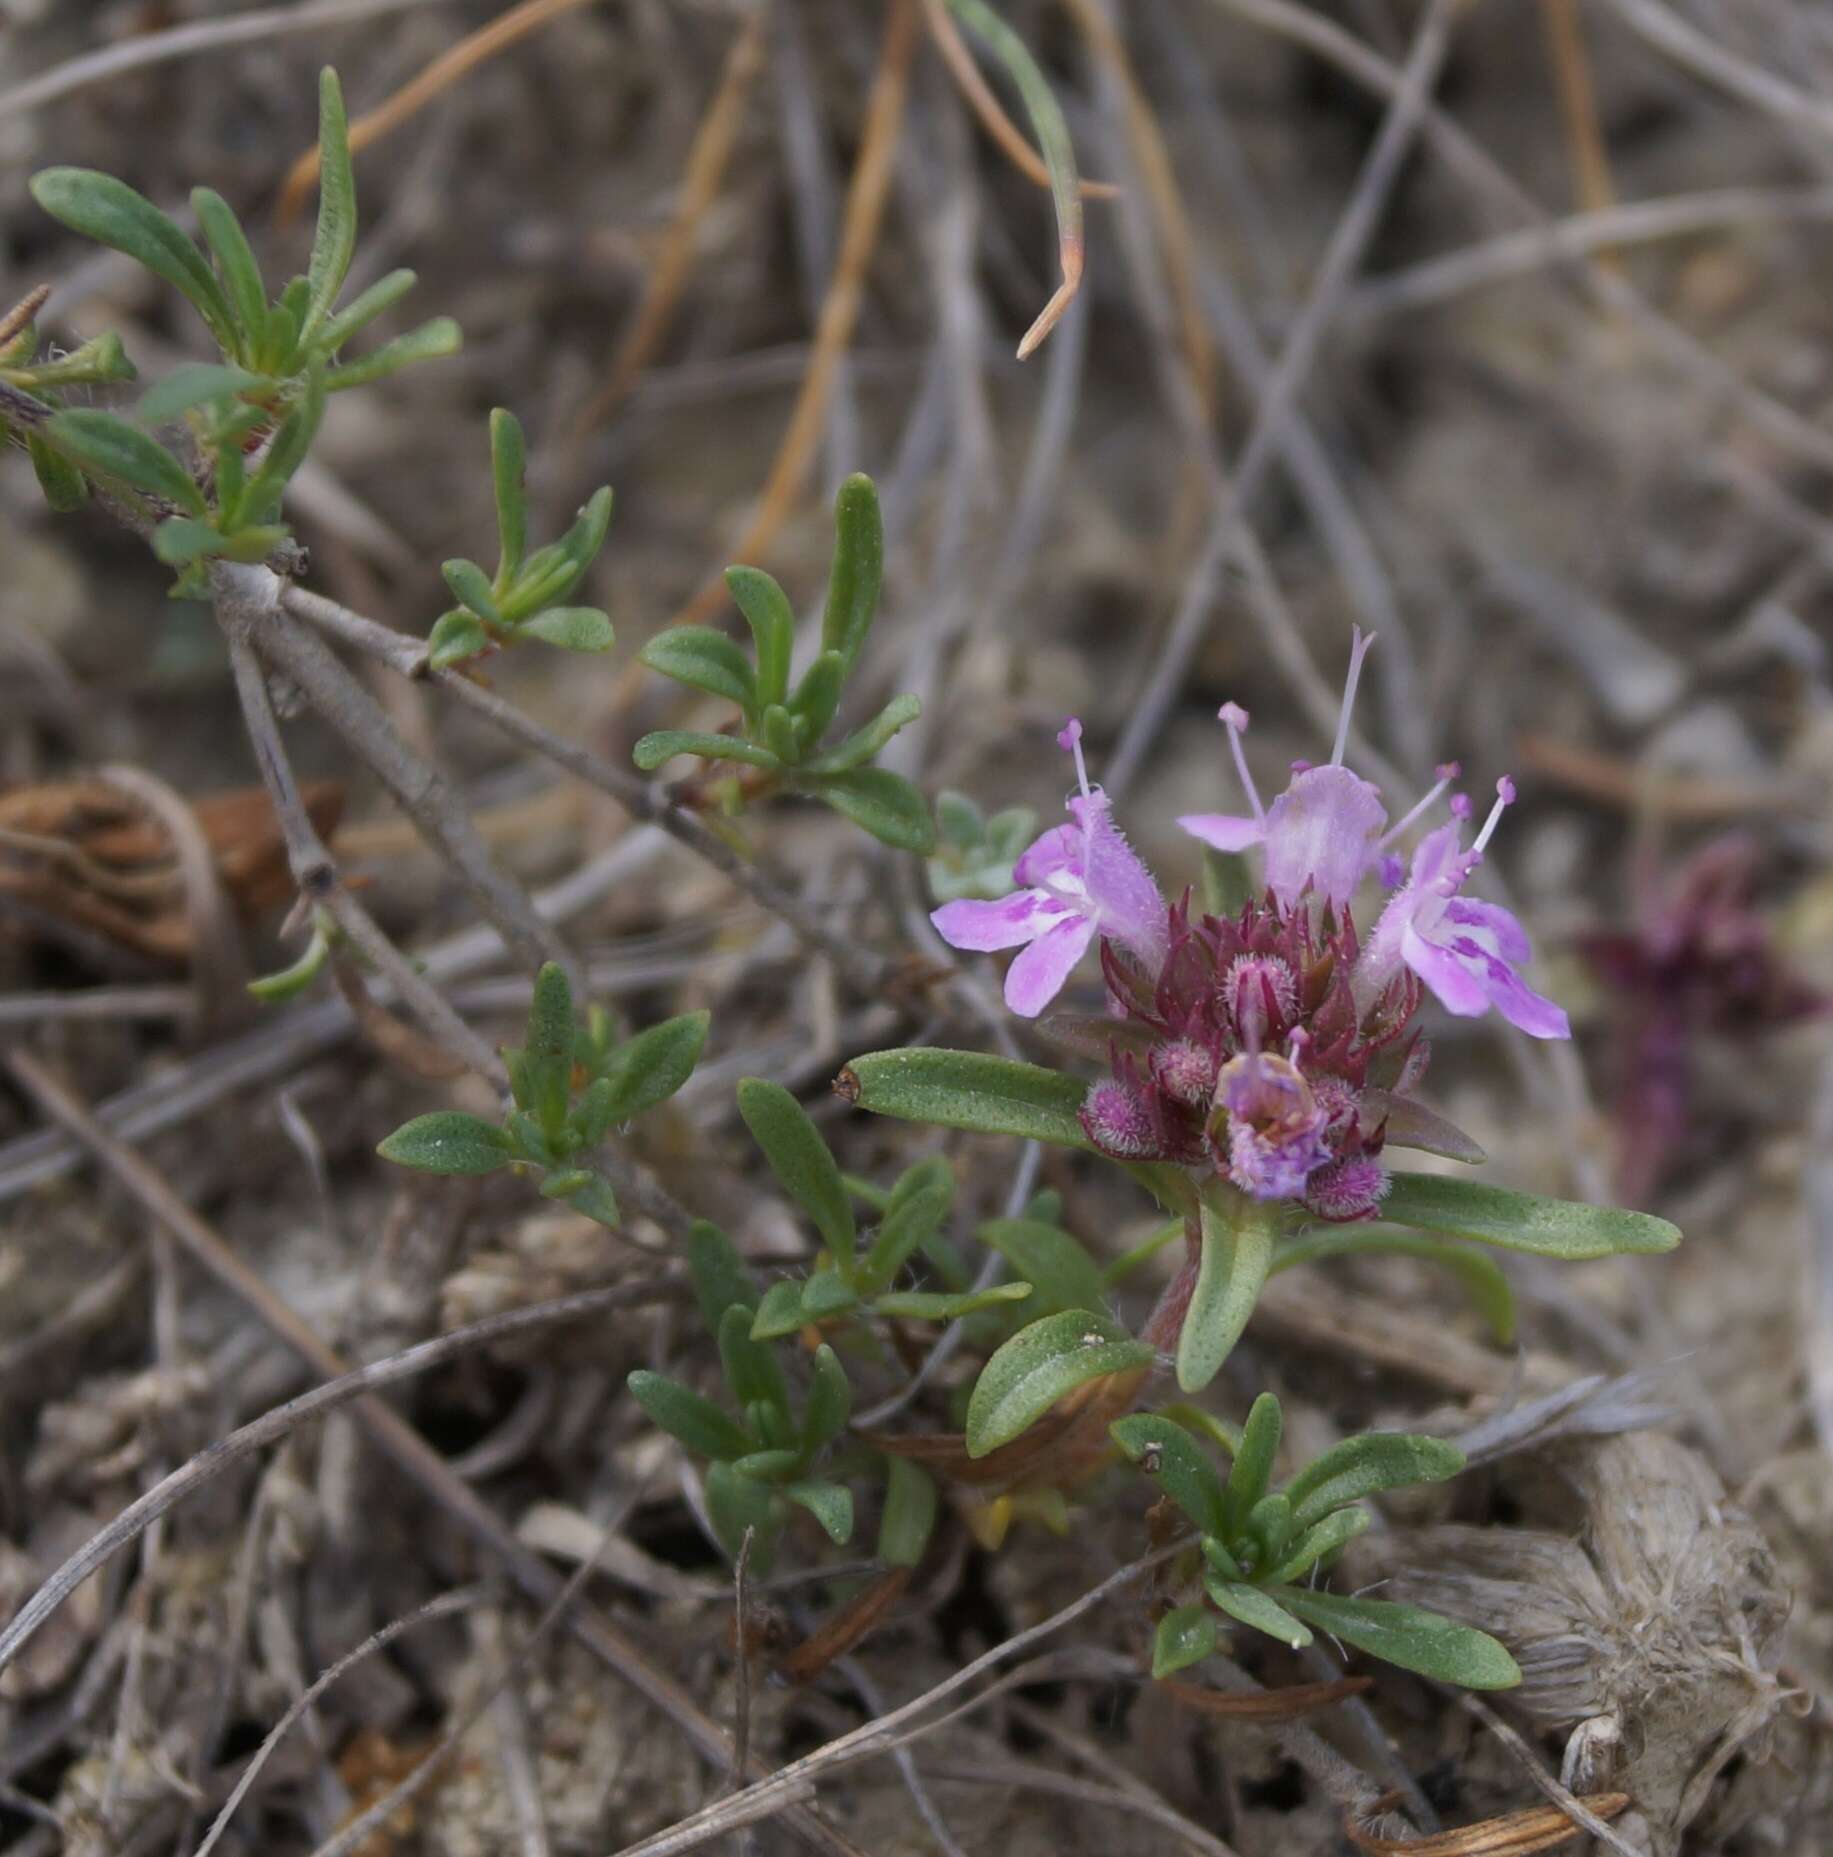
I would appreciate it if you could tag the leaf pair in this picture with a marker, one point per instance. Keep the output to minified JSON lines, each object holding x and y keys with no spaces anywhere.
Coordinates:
{"x":526,"y":597}
{"x":783,"y":729}
{"x":571,"y":1086}
{"x":1256,"y":1542}
{"x":853,"y":1279}
{"x":1001,"y":1096}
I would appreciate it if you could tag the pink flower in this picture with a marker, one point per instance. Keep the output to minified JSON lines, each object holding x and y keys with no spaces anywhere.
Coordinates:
{"x":1465,"y":950}
{"x":1076,"y":882}
{"x":1322,"y":833}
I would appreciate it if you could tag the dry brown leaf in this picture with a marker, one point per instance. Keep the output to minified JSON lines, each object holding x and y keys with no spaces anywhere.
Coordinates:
{"x":1515,"y":1834}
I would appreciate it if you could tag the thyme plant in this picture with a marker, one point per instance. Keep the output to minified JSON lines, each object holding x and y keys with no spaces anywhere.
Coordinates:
{"x":1263,"y":1062}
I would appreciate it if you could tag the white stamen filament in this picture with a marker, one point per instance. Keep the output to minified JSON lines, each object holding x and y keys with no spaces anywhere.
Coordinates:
{"x":1074,"y":732}
{"x":1394,"y":831}
{"x":1235,"y":730}
{"x":1357,"y":652}
{"x":1505,"y":792}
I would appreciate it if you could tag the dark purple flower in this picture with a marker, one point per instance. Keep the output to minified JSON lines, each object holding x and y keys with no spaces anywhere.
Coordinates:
{"x":1275,"y":1127}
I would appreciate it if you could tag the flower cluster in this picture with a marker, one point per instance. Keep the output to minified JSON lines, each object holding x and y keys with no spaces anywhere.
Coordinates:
{"x":1269,"y":1046}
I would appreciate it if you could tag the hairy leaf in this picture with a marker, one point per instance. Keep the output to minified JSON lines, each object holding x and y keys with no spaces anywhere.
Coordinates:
{"x":1405,"y":1635}
{"x":1038,"y":1366}
{"x":448,"y":1142}
{"x":1522,"y":1221}
{"x":968,"y":1089}
{"x":802,"y":1162}
{"x":1178,"y":1464}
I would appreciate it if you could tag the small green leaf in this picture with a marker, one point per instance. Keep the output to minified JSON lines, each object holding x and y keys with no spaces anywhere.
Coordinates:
{"x":180,"y":540}
{"x":1058,"y":1267}
{"x":1253,"y":1608}
{"x":864,"y":743}
{"x":334,"y":241}
{"x":721,"y":1281}
{"x":235,"y":259}
{"x":112,"y":213}
{"x":704,"y":659}
{"x":827,"y":1293}
{"x":802,"y":1162}
{"x":1185,"y":1636}
{"x":777,"y":729}
{"x":1177,"y":1463}
{"x":361,"y":311}
{"x":1032,"y":1371}
{"x":285,"y":455}
{"x":910,"y":1513}
{"x":448,"y":1142}
{"x":830,"y":1401}
{"x":570,"y":628}
{"x":942,"y":1306}
{"x":105,"y":446}
{"x":471,"y":587}
{"x":882,"y":803}
{"x":689,"y":1416}
{"x":1221,"y":1559}
{"x":291,"y":981}
{"x":64,"y":486}
{"x":1364,"y":1466}
{"x":1405,"y":1635}
{"x":817,"y":696}
{"x":590,"y":1195}
{"x":751,"y":1367}
{"x":547,"y":1056}
{"x":432,"y":341}
{"x":776,"y":1465}
{"x":960,"y":824}
{"x":100,"y":361}
{"x":456,"y":636}
{"x":1238,"y":1235}
{"x":829,"y":1504}
{"x":578,"y":548}
{"x":1479,"y":1275}
{"x":1522,"y":1221}
{"x":780,"y":1313}
{"x":773,"y":629}
{"x":194,"y":384}
{"x":1251,"y":1473}
{"x":912,"y":1220}
{"x":857,"y":572}
{"x":665,"y":744}
{"x":1334,"y":1532}
{"x":649,"y":1068}
{"x":735,"y":1504}
{"x":920,"y":1177}
{"x":1268,"y":1530}
{"x":968,"y":1089}
{"x":508,"y":473}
